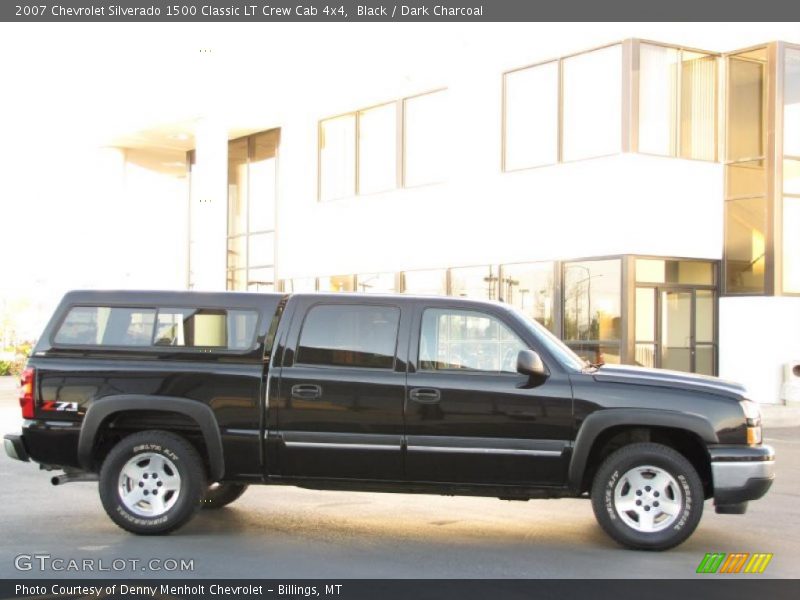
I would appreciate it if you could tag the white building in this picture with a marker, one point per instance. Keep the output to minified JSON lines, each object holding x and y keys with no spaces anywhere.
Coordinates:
{"x":641,"y":199}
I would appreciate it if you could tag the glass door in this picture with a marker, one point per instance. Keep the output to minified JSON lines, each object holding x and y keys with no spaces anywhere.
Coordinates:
{"x":677,"y":339}
{"x":675,"y":329}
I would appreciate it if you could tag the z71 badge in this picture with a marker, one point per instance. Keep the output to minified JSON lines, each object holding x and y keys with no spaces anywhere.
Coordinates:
{"x":61,"y":406}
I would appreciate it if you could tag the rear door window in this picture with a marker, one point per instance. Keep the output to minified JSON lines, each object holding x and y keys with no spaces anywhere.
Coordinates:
{"x":349,"y":336}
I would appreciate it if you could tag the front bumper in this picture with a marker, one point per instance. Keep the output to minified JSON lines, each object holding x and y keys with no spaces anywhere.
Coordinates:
{"x":15,"y":448}
{"x":741,"y":473}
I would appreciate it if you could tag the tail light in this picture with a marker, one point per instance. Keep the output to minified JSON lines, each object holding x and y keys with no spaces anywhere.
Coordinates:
{"x":26,"y":394}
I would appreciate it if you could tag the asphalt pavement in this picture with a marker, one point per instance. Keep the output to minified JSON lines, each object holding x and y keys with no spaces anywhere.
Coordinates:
{"x":283,"y":532}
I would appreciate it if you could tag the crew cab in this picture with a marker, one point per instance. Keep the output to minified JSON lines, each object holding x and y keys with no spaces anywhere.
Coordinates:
{"x":174,"y":401}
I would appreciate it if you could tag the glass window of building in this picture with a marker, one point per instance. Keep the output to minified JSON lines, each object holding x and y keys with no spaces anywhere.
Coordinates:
{"x":745,"y":128}
{"x":684,"y":272}
{"x":251,"y":211}
{"x":645,"y":327}
{"x":424,"y":154}
{"x":377,"y":149}
{"x":463,"y":339}
{"x":425,"y":282}
{"x":337,"y":157}
{"x":530,"y":123}
{"x":237,"y":204}
{"x":592,"y":309}
{"x":592,"y":104}
{"x":530,"y":287}
{"x":349,"y":336}
{"x":262,"y":174}
{"x":791,"y":171}
{"x":745,"y":245}
{"x":674,"y":314}
{"x":698,"y":106}
{"x":376,"y":283}
{"x":337,"y":283}
{"x":300,"y":285}
{"x":677,"y":102}
{"x":746,"y":198}
{"x":261,"y":279}
{"x":474,"y":282}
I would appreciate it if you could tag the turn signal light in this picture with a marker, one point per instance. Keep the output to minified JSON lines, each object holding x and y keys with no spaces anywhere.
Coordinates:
{"x":26,"y":393}
{"x":754,"y":435}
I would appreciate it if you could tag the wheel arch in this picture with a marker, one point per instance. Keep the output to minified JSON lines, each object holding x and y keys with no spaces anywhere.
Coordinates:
{"x":102,"y":410}
{"x":599,"y":425}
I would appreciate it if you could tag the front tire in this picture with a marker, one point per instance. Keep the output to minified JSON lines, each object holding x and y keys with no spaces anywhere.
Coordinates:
{"x":152,"y":482}
{"x":222,"y":494}
{"x":647,"y":497}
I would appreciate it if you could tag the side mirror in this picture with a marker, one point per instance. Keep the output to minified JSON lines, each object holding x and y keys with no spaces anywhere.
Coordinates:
{"x":529,"y":363}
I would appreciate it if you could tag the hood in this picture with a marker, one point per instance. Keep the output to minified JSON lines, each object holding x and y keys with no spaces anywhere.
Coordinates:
{"x":673,"y":379}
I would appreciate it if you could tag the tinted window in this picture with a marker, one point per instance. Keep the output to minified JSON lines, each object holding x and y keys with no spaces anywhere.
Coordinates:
{"x":179,"y":327}
{"x":205,"y":328}
{"x":349,"y":336}
{"x":460,"y":339}
{"x":102,"y":325}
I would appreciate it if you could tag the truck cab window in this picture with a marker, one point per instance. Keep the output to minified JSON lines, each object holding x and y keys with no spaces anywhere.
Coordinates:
{"x":349,"y":336}
{"x":467,"y":340}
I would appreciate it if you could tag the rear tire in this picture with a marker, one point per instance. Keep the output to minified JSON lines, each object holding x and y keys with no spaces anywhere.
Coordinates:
{"x":152,"y":482}
{"x":222,"y":494}
{"x":648,"y":497}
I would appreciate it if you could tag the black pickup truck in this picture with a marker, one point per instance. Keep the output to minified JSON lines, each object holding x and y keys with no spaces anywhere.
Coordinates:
{"x":178,"y":400}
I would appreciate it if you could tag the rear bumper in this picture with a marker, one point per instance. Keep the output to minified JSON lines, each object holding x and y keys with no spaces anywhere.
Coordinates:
{"x":741,"y":473}
{"x":15,"y":448}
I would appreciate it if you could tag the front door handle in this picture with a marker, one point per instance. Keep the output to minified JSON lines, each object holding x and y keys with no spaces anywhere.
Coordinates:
{"x":306,"y":391}
{"x":425,"y":395}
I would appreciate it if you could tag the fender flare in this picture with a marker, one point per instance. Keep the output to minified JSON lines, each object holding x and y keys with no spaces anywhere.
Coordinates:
{"x":601,"y":420}
{"x":101,"y":409}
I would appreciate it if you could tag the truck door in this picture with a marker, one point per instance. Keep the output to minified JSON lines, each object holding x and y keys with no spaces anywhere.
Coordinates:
{"x":470,"y":417}
{"x":342,"y":387}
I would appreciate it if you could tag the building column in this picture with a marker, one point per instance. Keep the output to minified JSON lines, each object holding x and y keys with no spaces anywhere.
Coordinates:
{"x":208,"y":207}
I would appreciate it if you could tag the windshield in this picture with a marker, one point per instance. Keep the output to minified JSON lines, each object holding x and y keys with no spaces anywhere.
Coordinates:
{"x":554,"y":345}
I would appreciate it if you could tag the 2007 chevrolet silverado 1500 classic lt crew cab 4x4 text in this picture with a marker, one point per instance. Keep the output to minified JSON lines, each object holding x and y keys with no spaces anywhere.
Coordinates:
{"x":177,"y":400}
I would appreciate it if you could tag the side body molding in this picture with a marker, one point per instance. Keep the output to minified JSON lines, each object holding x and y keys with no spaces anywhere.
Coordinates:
{"x":599,"y":421}
{"x":103,"y":408}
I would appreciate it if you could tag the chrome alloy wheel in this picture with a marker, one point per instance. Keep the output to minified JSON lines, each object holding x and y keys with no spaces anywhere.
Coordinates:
{"x":149,"y":484}
{"x":648,"y":499}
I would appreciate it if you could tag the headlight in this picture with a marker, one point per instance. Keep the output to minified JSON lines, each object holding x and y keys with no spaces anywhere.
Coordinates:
{"x":752,"y":415}
{"x":751,"y":410}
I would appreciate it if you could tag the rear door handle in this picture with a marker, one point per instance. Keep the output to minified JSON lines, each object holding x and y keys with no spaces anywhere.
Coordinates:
{"x":425,"y":395}
{"x":306,"y":391}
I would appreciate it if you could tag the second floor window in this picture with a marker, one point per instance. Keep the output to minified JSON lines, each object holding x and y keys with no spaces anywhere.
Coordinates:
{"x":367,"y":152}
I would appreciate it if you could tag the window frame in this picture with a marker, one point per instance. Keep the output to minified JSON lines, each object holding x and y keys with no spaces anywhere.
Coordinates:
{"x":400,"y":148}
{"x":625,"y":113}
{"x":769,"y":287}
{"x":629,"y":131}
{"x":404,"y":146}
{"x":504,"y":117}
{"x":230,"y":272}
{"x":636,"y":102}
